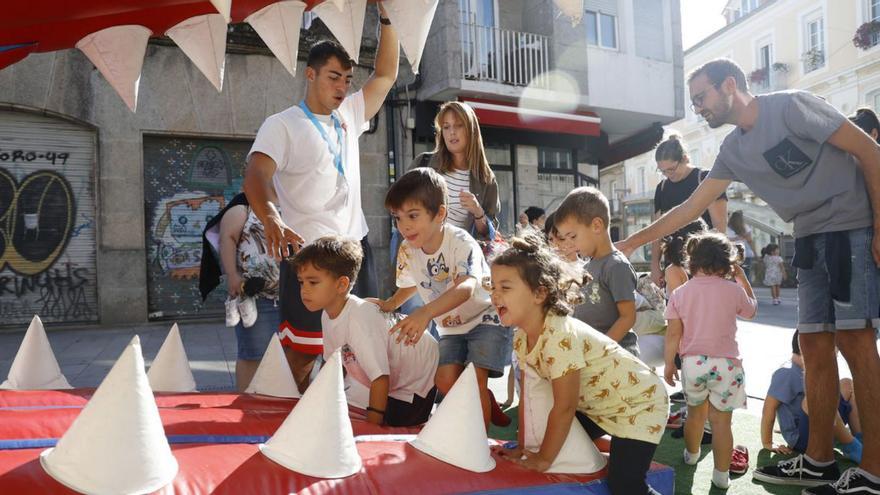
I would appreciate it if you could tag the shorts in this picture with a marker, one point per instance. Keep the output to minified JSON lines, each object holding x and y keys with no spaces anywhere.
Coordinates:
{"x":300,"y":328}
{"x":844,"y":408}
{"x":720,"y":380}
{"x":818,"y":311}
{"x":487,"y":346}
{"x":253,"y":341}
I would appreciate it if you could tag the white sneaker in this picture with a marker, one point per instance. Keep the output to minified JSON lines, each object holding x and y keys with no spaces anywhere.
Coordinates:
{"x":691,"y":459}
{"x":232,"y":314}
{"x":247,"y":306}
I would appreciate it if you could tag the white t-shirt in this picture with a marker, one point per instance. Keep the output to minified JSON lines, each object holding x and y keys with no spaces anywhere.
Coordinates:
{"x":456,"y":182}
{"x":369,"y":351}
{"x":315,"y":200}
{"x":434,"y":274}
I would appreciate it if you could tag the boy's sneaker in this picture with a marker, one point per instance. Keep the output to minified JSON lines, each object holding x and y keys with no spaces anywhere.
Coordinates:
{"x":247,"y":306}
{"x":676,"y":420}
{"x":232,"y":314}
{"x":852,"y":482}
{"x":852,"y":450}
{"x":677,"y":397}
{"x":797,"y":471}
{"x":739,"y":460}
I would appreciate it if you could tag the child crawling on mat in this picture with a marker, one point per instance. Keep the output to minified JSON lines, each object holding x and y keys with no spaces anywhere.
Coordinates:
{"x":594,"y":379}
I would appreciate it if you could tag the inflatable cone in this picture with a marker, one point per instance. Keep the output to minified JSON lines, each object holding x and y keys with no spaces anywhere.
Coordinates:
{"x":316,"y":439}
{"x":455,"y":433}
{"x":117,"y":443}
{"x":579,"y":454}
{"x":118,"y":53}
{"x":203,"y":40}
{"x":273,"y":376}
{"x":412,"y":22}
{"x":170,"y":371}
{"x":345,"y":22}
{"x":35,"y":366}
{"x":224,"y":7}
{"x":278,"y":25}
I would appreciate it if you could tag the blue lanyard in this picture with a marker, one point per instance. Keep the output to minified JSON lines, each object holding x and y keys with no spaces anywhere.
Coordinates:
{"x":338,"y":150}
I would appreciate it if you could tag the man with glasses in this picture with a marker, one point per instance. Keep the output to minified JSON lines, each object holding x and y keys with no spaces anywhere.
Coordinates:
{"x":817,"y":169}
{"x":680,"y":180}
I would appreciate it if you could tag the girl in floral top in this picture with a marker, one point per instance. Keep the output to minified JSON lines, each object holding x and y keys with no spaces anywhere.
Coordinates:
{"x":594,"y":379}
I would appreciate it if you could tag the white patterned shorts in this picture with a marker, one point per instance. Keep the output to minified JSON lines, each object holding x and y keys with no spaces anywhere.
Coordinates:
{"x":721,"y":380}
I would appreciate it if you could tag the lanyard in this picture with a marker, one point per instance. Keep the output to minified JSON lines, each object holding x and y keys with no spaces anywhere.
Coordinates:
{"x":338,"y":149}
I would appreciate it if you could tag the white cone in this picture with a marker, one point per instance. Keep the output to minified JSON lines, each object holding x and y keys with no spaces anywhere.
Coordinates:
{"x":456,"y":433}
{"x":223,"y":7}
{"x":346,"y":23}
{"x":278,"y":25}
{"x":170,"y":371}
{"x":571,"y":8}
{"x":412,"y":22}
{"x":35,"y":366}
{"x":203,"y":40}
{"x":117,"y":443}
{"x":316,"y":439}
{"x":273,"y":377}
{"x":579,"y":454}
{"x":118,"y":53}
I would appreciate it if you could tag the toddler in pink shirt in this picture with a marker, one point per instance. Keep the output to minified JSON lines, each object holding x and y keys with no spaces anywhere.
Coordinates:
{"x":701,"y":317}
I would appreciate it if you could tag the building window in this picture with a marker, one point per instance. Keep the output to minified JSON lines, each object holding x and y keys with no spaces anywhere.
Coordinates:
{"x":601,"y":29}
{"x":642,"y":180}
{"x":555,"y":158}
{"x":747,"y":6}
{"x":814,"y":42}
{"x":873,"y":100}
{"x":760,"y":78}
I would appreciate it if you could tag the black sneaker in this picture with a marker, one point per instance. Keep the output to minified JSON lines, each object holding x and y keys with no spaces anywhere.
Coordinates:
{"x":677,"y":397}
{"x":798,"y":471}
{"x":852,"y":482}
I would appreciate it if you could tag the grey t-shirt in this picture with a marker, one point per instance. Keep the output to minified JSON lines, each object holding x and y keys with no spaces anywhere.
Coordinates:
{"x":787,"y":162}
{"x":614,"y":280}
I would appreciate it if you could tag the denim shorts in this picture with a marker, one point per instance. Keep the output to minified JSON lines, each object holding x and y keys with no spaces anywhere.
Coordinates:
{"x":253,"y":341}
{"x":487,"y":346}
{"x":818,"y":312}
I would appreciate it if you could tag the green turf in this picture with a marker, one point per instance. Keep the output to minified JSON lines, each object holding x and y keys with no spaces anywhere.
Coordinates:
{"x":698,"y":479}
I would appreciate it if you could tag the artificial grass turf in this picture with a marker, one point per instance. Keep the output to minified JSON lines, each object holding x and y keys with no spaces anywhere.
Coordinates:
{"x":698,"y":479}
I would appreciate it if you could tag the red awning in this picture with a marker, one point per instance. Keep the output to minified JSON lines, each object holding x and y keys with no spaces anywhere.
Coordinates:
{"x":498,"y":114}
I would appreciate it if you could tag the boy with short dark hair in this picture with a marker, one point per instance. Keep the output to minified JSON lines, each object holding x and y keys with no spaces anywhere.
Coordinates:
{"x":446,"y":266}
{"x":400,"y":378}
{"x":582,"y":220}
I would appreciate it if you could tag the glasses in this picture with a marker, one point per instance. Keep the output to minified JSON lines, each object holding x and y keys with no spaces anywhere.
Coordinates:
{"x":668,"y":171}
{"x":697,"y":101}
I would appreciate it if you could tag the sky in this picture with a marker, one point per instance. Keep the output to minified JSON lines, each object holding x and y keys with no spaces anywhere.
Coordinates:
{"x":700,"y":18}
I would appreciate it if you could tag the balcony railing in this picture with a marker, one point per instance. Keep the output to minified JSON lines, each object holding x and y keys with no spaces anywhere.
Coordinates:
{"x":504,"y":56}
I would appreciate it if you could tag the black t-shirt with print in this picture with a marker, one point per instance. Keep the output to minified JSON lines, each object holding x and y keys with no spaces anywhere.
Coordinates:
{"x":670,"y":194}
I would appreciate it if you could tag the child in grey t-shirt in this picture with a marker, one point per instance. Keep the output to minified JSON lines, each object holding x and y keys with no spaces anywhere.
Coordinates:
{"x":614,"y":280}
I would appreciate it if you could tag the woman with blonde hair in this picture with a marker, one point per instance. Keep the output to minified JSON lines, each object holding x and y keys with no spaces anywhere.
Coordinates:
{"x":458,"y":155}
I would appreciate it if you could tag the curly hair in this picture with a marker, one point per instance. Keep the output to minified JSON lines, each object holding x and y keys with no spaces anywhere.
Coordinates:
{"x":672,"y":250}
{"x":711,"y":253}
{"x":540,"y":267}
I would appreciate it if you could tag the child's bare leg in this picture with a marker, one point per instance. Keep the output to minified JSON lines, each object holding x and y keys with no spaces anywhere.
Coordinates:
{"x":849,"y":394}
{"x":722,"y":438}
{"x":841,"y":432}
{"x":446,"y":376}
{"x":483,"y":385}
{"x":693,"y":426}
{"x":511,"y":381}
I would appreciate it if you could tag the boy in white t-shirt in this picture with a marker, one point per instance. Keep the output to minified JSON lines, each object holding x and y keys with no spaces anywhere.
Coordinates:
{"x":446,"y":266}
{"x":400,"y":377}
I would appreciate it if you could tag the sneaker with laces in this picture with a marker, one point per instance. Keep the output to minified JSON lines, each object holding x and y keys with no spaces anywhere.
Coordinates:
{"x":247,"y":306}
{"x":853,"y":482}
{"x":232,"y":314}
{"x":797,"y":471}
{"x":739,"y":460}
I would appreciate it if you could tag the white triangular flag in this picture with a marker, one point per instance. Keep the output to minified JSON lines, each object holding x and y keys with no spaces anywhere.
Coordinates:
{"x":278,"y":25}
{"x":118,"y":53}
{"x":203,"y":40}
{"x":117,"y":443}
{"x":224,"y":7}
{"x":412,"y":22}
{"x":273,"y":376}
{"x":571,"y":8}
{"x":170,"y":371}
{"x":317,"y":439}
{"x":456,"y":433}
{"x":346,"y":22}
{"x":35,"y":366}
{"x":579,"y":454}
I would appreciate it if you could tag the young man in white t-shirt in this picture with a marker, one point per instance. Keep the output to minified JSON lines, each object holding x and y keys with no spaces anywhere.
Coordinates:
{"x":400,"y":377}
{"x":309,"y":155}
{"x":446,"y":266}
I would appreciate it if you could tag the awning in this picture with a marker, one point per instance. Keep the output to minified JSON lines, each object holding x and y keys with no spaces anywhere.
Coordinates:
{"x":498,"y":114}
{"x":640,"y":142}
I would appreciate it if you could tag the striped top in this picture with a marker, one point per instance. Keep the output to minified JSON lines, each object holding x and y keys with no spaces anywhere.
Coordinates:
{"x":456,"y":182}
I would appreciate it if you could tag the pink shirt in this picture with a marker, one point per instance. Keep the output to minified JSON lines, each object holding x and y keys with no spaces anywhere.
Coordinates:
{"x":707,"y":307}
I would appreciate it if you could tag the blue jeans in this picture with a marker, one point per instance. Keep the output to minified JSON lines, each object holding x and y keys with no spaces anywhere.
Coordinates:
{"x":487,"y":346}
{"x":253,"y":341}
